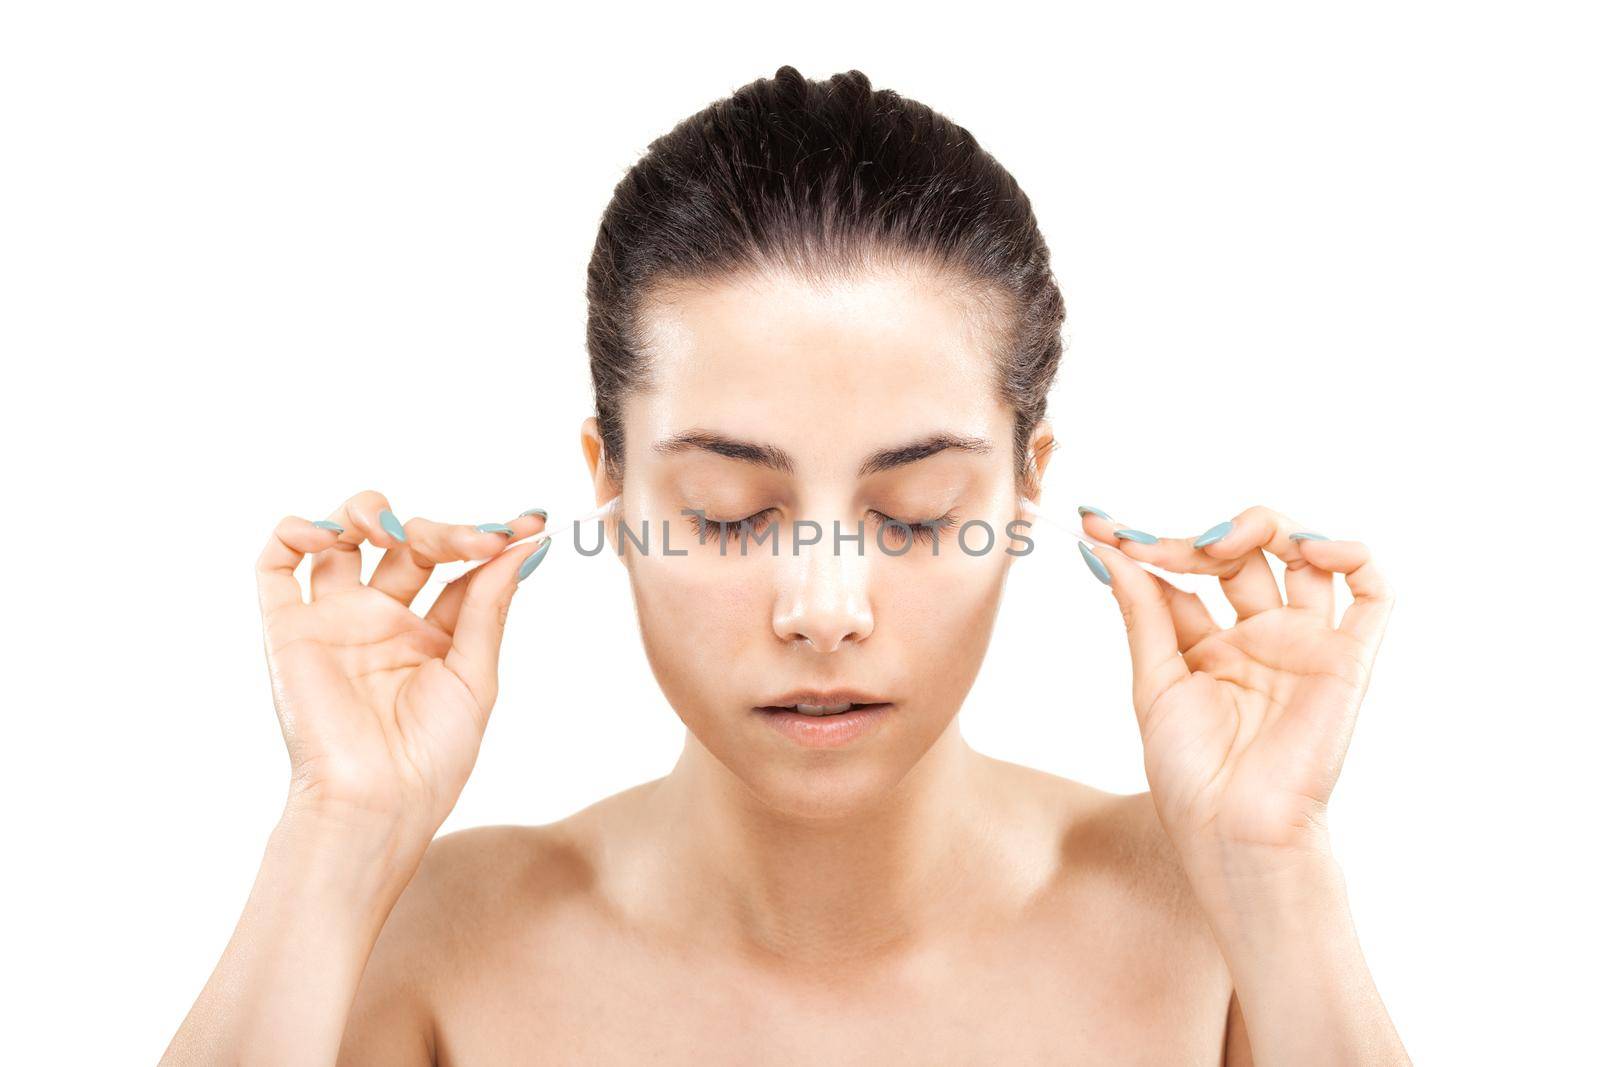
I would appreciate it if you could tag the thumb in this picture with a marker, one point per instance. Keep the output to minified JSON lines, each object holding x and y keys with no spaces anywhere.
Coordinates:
{"x":1158,"y":663}
{"x":474,"y":654}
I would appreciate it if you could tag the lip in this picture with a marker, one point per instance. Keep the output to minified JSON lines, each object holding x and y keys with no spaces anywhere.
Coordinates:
{"x":825,"y":731}
{"x":822,"y":696}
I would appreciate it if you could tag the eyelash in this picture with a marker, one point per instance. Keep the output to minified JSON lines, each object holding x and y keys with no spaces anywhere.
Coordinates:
{"x":720,"y":529}
{"x":920,"y":531}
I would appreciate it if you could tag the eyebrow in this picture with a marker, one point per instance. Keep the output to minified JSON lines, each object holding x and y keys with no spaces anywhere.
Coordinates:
{"x":777,"y":459}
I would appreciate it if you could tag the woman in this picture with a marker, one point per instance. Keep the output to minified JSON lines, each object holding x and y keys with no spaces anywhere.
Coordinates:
{"x":810,"y":303}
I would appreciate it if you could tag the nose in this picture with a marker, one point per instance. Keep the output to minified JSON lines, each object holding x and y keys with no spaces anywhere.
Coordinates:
{"x":825,"y":602}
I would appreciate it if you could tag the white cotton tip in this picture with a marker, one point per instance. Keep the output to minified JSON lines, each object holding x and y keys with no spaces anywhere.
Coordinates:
{"x":554,"y":526}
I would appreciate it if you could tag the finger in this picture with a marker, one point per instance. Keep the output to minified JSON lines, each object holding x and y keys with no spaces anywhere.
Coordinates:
{"x":1367,"y":617}
{"x":474,"y":653}
{"x":1251,"y":587}
{"x":1152,"y":635}
{"x":338,"y":566}
{"x":1097,"y":524}
{"x":291,"y":539}
{"x":1246,"y":577}
{"x":432,"y":543}
{"x":533,"y":518}
{"x":1190,"y":618}
{"x":1225,"y":550}
{"x":1308,"y":587}
{"x":447,"y":605}
{"x":405,"y":569}
{"x":366,"y":516}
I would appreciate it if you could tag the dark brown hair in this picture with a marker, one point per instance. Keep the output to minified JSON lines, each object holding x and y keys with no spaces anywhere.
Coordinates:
{"x":821,"y":178}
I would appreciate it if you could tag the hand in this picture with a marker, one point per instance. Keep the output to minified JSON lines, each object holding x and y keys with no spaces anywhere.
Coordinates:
{"x":383,"y":710}
{"x":1245,"y":728}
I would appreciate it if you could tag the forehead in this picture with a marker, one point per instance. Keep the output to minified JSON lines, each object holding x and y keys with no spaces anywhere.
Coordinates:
{"x":827,"y":372}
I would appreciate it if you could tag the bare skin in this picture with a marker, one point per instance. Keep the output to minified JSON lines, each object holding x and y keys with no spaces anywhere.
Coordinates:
{"x":896,"y":898}
{"x":1072,"y":939}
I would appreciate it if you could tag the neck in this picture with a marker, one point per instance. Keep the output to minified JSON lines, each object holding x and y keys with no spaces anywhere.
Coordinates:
{"x":827,"y":889}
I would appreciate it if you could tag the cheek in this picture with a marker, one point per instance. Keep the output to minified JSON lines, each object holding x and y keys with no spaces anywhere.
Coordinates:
{"x":696,"y":617}
{"x":942,"y":613}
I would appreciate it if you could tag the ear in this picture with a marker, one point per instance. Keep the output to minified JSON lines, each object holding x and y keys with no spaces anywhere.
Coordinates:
{"x":594,"y":454}
{"x":1041,"y":446}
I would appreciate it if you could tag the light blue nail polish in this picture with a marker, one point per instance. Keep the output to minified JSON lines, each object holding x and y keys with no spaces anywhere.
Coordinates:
{"x":541,"y":512}
{"x":1306,"y":535}
{"x":326,"y":524}
{"x":1084,"y":509}
{"x":1215,"y":534}
{"x":532,"y":561}
{"x":1094,"y":563}
{"x":391,"y":525}
{"x":494,"y":527}
{"x":1136,"y":535}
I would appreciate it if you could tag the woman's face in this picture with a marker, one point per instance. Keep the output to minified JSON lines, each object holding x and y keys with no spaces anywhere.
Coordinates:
{"x":777,"y":401}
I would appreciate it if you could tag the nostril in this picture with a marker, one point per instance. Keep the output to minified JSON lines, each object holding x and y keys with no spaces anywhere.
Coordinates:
{"x":823,"y":626}
{"x":850,"y":638}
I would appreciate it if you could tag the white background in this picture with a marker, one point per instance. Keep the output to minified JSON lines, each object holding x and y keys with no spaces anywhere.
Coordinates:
{"x":1339,"y":261}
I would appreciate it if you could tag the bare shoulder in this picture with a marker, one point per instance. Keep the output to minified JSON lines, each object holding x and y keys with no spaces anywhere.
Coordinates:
{"x":491,"y":883}
{"x":478,"y":897}
{"x":1109,"y":844}
{"x":469,"y":879}
{"x":1122,"y":836}
{"x":1112,"y":914}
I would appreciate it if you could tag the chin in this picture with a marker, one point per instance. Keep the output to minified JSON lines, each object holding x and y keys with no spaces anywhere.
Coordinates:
{"x":849,"y":778}
{"x":844,"y":789}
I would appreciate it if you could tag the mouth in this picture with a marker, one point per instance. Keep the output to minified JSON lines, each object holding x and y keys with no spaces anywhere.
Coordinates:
{"x":822,"y":702}
{"x":825,"y":719}
{"x":822,"y":711}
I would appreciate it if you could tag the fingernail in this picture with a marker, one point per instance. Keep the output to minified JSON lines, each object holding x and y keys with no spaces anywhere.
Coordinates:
{"x":494,"y":527}
{"x":1136,"y":535}
{"x":391,"y":525}
{"x":1084,"y":509}
{"x":1306,"y":535}
{"x":533,"y":561}
{"x":325,"y":524}
{"x":1215,"y":534}
{"x":1094,"y":563}
{"x":541,"y":512}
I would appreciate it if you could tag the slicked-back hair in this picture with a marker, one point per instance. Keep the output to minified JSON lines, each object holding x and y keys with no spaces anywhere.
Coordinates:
{"x":822,"y":179}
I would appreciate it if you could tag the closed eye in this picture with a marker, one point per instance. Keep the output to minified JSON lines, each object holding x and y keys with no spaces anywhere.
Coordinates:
{"x":922,"y":530}
{"x":721,"y":530}
{"x":893,"y":530}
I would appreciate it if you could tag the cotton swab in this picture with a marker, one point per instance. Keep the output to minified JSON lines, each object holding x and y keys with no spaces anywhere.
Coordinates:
{"x":1189,"y":583}
{"x":552,"y":528}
